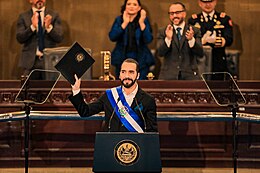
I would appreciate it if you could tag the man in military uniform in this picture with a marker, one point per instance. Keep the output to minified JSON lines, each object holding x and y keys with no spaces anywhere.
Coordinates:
{"x":217,"y":31}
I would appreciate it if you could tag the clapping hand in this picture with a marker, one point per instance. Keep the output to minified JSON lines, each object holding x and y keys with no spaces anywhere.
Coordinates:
{"x":190,"y":33}
{"x":47,"y":21}
{"x":35,"y":19}
{"x":126,"y":19}
{"x":169,"y":32}
{"x":212,"y":38}
{"x":142,"y":16}
{"x":209,"y":37}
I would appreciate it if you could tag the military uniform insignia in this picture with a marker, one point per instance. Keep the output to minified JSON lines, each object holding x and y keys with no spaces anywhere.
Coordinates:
{"x":194,"y":16}
{"x":197,"y":25}
{"x":222,"y":14}
{"x":218,"y":42}
{"x":201,"y":18}
{"x":215,"y":18}
{"x":218,"y":25}
{"x":230,"y":22}
{"x":127,"y":152}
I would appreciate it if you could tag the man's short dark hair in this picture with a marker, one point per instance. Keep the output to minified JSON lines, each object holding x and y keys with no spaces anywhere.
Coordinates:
{"x":130,"y":60}
{"x":179,"y":3}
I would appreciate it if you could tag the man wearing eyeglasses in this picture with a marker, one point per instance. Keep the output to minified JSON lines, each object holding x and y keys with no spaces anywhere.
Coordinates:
{"x":217,"y":32}
{"x":179,"y":44}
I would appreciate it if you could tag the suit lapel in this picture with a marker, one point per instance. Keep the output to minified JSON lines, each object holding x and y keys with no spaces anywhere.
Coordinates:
{"x":138,"y":97}
{"x":28,"y":17}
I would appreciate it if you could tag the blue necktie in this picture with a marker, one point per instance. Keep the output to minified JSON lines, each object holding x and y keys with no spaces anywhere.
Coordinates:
{"x":40,"y":33}
{"x":178,"y":33}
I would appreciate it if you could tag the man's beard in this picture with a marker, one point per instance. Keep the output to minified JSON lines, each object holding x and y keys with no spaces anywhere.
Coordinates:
{"x":180,"y":20}
{"x":128,"y":85}
{"x":39,"y":4}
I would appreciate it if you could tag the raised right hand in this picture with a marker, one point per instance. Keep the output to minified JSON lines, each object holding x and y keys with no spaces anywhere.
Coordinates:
{"x":126,"y":19}
{"x":169,"y":32}
{"x":34,"y":19}
{"x":76,"y":86}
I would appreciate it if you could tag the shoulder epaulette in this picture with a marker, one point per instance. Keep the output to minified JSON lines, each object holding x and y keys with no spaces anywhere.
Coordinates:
{"x":222,"y":14}
{"x":194,"y":16}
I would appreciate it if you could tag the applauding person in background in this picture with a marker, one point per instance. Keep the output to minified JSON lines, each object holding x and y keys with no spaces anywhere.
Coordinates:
{"x":132,"y":33}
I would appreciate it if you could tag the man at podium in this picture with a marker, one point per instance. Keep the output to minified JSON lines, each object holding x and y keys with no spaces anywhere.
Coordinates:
{"x":127,"y":107}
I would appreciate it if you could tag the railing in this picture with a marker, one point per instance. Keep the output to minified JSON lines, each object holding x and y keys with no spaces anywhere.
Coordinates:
{"x":161,"y":116}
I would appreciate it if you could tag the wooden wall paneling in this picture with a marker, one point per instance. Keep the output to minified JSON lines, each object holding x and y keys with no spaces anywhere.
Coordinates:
{"x":85,"y":21}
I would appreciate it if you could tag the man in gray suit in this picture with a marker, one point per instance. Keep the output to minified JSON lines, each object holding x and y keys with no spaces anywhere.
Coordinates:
{"x":180,"y":45}
{"x":37,"y":28}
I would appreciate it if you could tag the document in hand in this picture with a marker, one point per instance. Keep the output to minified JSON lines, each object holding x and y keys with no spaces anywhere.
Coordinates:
{"x":75,"y":61}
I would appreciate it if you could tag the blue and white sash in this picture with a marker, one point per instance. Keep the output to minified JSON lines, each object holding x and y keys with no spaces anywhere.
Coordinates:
{"x":124,"y":112}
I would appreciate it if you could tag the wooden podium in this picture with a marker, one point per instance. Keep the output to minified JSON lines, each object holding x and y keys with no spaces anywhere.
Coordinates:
{"x":127,"y":152}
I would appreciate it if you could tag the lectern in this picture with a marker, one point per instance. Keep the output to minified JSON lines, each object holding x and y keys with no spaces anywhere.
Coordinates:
{"x":127,"y":152}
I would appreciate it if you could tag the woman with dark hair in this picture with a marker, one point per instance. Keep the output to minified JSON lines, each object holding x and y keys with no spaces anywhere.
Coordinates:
{"x":132,"y":33}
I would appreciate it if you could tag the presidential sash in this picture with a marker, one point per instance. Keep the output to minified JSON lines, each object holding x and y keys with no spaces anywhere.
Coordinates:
{"x":123,"y":111}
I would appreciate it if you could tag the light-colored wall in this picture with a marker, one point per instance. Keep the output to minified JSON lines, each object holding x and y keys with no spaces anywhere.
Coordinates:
{"x":89,"y":21}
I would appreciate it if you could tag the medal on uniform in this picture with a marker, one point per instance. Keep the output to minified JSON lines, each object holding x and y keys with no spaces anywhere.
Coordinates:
{"x":201,"y":18}
{"x":197,"y":25}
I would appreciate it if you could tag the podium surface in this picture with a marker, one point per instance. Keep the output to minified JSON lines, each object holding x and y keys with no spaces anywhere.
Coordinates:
{"x":127,"y":152}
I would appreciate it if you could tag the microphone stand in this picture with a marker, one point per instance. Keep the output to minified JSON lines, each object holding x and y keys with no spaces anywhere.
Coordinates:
{"x":27,"y":109}
{"x":234,"y":108}
{"x":234,"y":94}
{"x":235,"y":132}
{"x":141,"y":114}
{"x":112,"y":115}
{"x":24,"y":97}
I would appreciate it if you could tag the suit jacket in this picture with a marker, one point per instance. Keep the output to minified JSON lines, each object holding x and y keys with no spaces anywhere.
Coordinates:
{"x":222,"y":25}
{"x":28,"y":38}
{"x":143,"y":105}
{"x":179,"y":57}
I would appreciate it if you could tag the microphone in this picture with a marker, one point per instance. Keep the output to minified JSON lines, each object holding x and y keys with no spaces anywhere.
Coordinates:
{"x":141,"y":114}
{"x":112,"y":115}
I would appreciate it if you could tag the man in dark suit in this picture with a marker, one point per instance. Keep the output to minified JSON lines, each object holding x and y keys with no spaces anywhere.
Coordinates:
{"x":37,"y":28}
{"x":179,"y":44}
{"x":217,"y":32}
{"x":127,"y":107}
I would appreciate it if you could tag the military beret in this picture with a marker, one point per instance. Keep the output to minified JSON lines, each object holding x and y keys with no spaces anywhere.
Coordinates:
{"x":206,"y":0}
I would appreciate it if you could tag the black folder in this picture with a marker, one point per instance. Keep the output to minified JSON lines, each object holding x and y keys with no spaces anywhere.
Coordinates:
{"x":75,"y":61}
{"x":127,"y":152}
